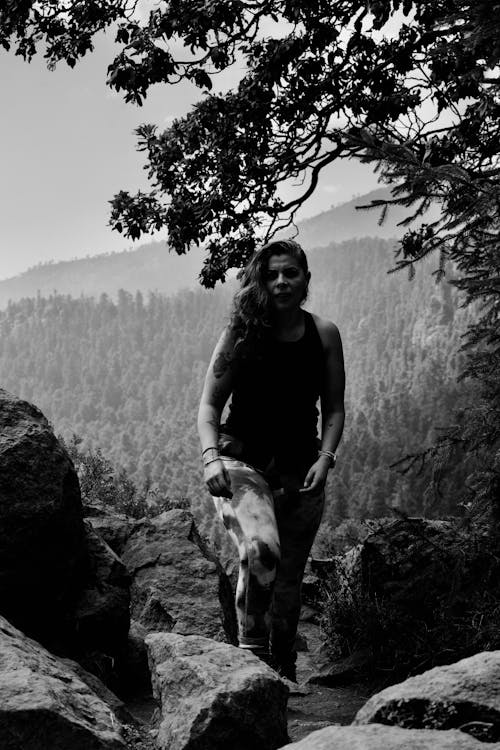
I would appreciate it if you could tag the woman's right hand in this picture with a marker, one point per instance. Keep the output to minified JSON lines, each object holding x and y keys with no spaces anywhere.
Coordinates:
{"x":217,"y":479}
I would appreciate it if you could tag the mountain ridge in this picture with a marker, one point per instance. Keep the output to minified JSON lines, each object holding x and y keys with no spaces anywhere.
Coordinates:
{"x":151,"y":267}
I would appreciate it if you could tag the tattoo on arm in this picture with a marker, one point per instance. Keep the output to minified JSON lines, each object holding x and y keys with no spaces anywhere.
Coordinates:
{"x":219,"y":396}
{"x":221,"y":364}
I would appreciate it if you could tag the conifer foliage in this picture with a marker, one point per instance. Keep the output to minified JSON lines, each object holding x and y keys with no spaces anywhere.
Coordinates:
{"x":410,"y":86}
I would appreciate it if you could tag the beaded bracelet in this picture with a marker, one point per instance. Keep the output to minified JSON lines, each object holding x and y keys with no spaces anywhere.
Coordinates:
{"x":330,"y":455}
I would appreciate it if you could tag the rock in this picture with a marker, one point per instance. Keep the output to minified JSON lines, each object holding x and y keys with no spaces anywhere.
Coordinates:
{"x":341,"y":671}
{"x":401,"y":562}
{"x":178,"y":585}
{"x":309,"y":614}
{"x":404,"y":562}
{"x":300,"y":728}
{"x":102,"y":609}
{"x":311,"y":590}
{"x":132,"y":666}
{"x":113,"y":527}
{"x":215,"y":696}
{"x":44,"y":705}
{"x":98,"y":687}
{"x":465,"y":695}
{"x":379,"y":737}
{"x":42,"y":539}
{"x":400,"y":581}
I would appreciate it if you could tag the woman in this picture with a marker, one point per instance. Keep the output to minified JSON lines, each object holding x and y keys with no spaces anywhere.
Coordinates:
{"x":263,"y":467}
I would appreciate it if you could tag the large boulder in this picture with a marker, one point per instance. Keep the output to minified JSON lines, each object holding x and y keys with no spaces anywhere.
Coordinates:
{"x":378,"y":737}
{"x":405,"y":562}
{"x":117,"y":706}
{"x":42,"y":539}
{"x":215,"y":696}
{"x":44,"y":705}
{"x":399,"y":588}
{"x":178,"y":584}
{"x":465,"y":695}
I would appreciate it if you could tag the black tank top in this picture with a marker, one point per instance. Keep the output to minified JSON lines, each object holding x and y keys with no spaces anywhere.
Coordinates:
{"x":273,"y":408}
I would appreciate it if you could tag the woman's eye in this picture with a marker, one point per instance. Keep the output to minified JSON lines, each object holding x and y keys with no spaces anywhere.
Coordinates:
{"x":288,"y":273}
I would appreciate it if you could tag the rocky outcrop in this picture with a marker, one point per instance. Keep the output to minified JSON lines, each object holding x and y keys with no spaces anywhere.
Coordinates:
{"x":215,"y":696}
{"x":44,"y":705}
{"x":378,"y":737}
{"x":132,"y":669}
{"x":403,"y":579}
{"x":403,"y":562}
{"x":59,"y":581}
{"x":115,"y":528}
{"x":465,"y":694}
{"x":98,"y":687}
{"x":408,"y":562}
{"x":178,"y":585}
{"x":102,"y":609}
{"x":340,"y":672}
{"x":42,"y":539}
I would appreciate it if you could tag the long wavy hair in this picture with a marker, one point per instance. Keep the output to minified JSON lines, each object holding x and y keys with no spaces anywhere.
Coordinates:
{"x":251,"y":311}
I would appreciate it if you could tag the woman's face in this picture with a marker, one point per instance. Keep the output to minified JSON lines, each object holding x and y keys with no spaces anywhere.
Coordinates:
{"x":286,"y":282}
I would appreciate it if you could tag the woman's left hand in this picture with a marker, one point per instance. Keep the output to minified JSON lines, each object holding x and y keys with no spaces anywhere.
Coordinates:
{"x":316,"y":476}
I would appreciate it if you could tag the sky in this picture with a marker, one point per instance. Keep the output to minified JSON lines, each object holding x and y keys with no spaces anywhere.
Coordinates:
{"x":67,"y":146}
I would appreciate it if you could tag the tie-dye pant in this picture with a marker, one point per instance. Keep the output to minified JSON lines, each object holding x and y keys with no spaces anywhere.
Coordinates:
{"x":274,"y":535}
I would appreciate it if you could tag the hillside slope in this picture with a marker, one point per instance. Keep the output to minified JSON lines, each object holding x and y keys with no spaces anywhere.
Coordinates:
{"x":149,"y":268}
{"x":127,"y":376}
{"x":152,"y":268}
{"x":347,"y":221}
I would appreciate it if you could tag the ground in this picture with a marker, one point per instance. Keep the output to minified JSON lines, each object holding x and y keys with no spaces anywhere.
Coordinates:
{"x":310,"y":706}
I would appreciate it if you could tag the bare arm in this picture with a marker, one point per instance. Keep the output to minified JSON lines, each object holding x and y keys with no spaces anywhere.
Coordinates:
{"x":216,"y":391}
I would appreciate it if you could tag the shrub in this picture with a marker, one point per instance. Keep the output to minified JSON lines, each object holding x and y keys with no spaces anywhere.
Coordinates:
{"x":101,"y":483}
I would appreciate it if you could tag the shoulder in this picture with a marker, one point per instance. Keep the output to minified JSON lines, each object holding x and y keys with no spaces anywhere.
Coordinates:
{"x":223,"y":353}
{"x":328,"y":333}
{"x":227,"y":339}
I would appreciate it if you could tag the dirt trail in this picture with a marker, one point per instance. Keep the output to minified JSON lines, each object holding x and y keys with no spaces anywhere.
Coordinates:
{"x":311,"y":706}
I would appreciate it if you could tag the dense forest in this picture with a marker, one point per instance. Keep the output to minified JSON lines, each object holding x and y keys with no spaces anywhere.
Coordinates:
{"x":126,"y":376}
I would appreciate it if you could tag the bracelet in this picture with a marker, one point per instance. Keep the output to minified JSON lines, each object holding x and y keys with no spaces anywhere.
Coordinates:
{"x":212,"y":448}
{"x":211,"y":454}
{"x":330,"y":455}
{"x":211,"y":461}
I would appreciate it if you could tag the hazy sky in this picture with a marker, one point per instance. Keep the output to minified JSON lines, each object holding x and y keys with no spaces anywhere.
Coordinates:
{"x":67,"y":146}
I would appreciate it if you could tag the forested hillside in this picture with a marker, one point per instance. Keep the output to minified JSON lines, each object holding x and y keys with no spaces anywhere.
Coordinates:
{"x":127,"y":376}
